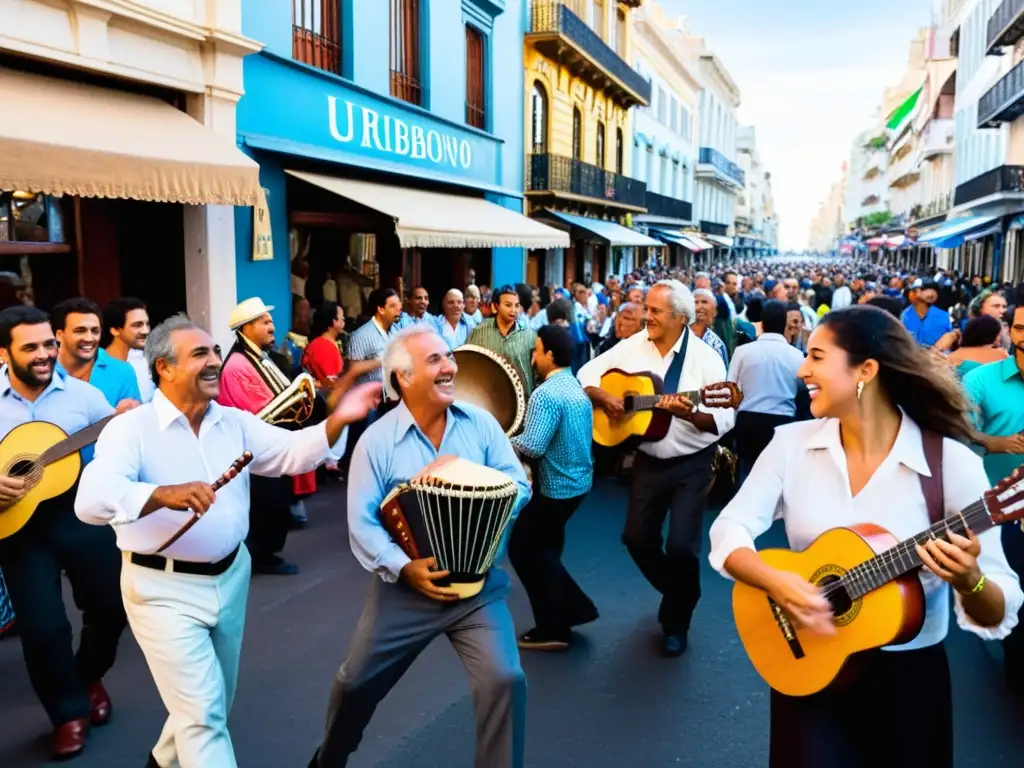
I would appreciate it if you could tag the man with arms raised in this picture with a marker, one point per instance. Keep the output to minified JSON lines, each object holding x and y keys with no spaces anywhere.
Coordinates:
{"x":426,"y":430}
{"x":67,"y":684}
{"x":670,"y":477}
{"x":185,"y":600}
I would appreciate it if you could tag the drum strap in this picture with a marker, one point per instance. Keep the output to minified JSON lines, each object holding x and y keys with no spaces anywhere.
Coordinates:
{"x":675,"y":370}
{"x":931,"y":487}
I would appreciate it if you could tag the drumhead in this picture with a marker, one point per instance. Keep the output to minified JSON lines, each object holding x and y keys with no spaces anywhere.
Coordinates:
{"x":488,"y":381}
{"x":469,"y":474}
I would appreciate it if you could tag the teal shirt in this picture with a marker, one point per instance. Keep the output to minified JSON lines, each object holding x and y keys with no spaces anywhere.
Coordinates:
{"x":998,"y":391}
{"x":114,"y":378}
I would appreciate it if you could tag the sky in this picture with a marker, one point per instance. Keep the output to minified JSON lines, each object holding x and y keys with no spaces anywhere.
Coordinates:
{"x":811,"y":75}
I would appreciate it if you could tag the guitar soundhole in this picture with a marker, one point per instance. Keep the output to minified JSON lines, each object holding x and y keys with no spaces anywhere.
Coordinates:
{"x":837,"y":596}
{"x":22,"y":468}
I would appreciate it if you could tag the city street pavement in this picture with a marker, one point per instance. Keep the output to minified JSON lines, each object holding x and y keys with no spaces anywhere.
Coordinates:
{"x":612,"y":701}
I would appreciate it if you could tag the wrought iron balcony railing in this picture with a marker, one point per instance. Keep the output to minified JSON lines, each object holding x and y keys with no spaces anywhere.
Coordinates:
{"x":1004,"y":101}
{"x":557,"y":173}
{"x":563,"y":36}
{"x":935,"y":207}
{"x":723,"y":165}
{"x":1005,"y":178}
{"x":669,"y":207}
{"x":1006,"y":26}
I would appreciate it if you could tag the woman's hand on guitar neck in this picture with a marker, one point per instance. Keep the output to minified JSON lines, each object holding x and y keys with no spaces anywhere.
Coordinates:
{"x":803,"y":602}
{"x":11,"y":489}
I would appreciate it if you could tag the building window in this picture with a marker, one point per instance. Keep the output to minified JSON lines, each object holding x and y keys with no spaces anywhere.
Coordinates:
{"x":673,"y":114}
{"x":475,"y":114}
{"x":600,"y":145}
{"x":577,"y":133}
{"x":662,"y":106}
{"x":30,"y":217}
{"x":618,"y":151}
{"x":405,"y":51}
{"x":316,"y":34}
{"x":539,"y":110}
{"x":620,"y":33}
{"x":599,"y":18}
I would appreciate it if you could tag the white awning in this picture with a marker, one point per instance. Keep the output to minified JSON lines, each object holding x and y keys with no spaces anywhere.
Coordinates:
{"x":60,"y":137}
{"x":437,"y":220}
{"x":608,"y":231}
{"x":701,"y":243}
{"x":725,"y":242}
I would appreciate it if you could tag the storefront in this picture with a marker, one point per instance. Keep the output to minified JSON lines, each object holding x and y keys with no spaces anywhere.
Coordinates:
{"x":365,"y":190}
{"x":117,"y":167}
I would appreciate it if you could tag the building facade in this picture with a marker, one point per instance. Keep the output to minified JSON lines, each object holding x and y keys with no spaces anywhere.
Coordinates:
{"x":387,"y":155}
{"x":117,"y":152}
{"x":755,"y":206}
{"x":580,"y":92}
{"x":827,"y":226}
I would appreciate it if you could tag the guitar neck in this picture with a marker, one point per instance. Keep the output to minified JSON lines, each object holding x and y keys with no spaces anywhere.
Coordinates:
{"x":633,"y":403}
{"x":74,"y":443}
{"x":902,"y":558}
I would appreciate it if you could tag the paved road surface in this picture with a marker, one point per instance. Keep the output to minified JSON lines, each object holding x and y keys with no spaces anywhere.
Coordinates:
{"x":612,"y":702}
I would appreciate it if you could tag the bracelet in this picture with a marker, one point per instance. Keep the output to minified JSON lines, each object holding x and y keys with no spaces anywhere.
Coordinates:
{"x":977,"y":587}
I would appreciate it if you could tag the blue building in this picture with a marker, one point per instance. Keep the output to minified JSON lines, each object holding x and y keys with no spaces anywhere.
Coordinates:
{"x":389,"y":135}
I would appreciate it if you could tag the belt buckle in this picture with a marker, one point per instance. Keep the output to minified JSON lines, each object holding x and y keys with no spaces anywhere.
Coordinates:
{"x":169,"y":565}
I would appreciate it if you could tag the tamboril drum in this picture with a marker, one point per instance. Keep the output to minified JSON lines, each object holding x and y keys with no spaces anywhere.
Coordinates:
{"x":487,"y":380}
{"x":458,"y":515}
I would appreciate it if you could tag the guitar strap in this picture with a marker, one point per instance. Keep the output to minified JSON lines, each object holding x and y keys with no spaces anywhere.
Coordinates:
{"x":931,"y":487}
{"x":675,"y":370}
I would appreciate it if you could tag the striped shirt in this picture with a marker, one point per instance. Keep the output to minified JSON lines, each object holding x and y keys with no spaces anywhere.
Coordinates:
{"x":516,"y":347}
{"x":714,"y":341}
{"x":558,"y":431}
{"x":367,"y":343}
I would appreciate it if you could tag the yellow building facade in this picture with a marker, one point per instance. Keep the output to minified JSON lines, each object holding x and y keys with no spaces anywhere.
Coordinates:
{"x":580,"y":90}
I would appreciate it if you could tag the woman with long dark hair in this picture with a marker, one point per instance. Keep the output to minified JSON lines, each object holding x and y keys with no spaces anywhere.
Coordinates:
{"x":873,"y":390}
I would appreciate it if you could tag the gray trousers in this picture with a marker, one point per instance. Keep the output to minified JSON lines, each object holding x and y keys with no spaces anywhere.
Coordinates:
{"x":396,"y":625}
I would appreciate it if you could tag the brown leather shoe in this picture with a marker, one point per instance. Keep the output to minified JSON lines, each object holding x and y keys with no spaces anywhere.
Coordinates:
{"x":69,"y":738}
{"x":99,"y":704}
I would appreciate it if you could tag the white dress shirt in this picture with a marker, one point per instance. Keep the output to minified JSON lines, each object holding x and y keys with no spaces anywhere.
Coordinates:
{"x":147,"y":388}
{"x":766,"y":372}
{"x":802,"y":478}
{"x":154,"y":445}
{"x":702,"y":366}
{"x":841,"y":297}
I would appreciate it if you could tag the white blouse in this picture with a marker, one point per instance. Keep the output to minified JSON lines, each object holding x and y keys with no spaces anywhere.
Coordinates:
{"x":802,"y":478}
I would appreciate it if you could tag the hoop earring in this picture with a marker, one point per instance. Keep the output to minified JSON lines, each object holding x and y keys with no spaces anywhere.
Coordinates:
{"x":860,"y":389}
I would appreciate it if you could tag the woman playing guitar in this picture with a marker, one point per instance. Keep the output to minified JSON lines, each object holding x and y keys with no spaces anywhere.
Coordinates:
{"x":863,"y":460}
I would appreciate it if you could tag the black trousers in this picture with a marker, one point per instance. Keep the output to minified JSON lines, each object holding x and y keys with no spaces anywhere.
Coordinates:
{"x":54,"y":540}
{"x":535,"y":550}
{"x":270,"y":516}
{"x":751,"y":435}
{"x":864,"y":722}
{"x":677,"y":489}
{"x":1013,"y":646}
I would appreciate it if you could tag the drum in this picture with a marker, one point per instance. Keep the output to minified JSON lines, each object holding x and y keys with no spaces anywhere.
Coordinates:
{"x":487,"y":380}
{"x":458,"y":515}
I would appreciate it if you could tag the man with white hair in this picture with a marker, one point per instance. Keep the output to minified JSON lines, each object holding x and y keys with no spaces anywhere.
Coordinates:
{"x":670,"y":477}
{"x":453,"y":323}
{"x":406,"y":608}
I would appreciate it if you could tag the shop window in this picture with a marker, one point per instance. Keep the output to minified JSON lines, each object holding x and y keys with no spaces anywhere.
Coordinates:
{"x":539,"y":119}
{"x":577,"y":133}
{"x":475,"y":91}
{"x":405,"y":51}
{"x":600,"y":145}
{"x":30,"y":219}
{"x":619,"y":149}
{"x":316,"y":33}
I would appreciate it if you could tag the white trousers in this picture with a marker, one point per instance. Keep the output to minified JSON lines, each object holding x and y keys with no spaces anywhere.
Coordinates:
{"x":190,"y":631}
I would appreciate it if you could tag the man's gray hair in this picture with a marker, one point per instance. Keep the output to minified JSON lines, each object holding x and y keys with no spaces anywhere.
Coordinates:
{"x":706,"y":292}
{"x":159,"y":345}
{"x":396,"y":357}
{"x":699,"y":275}
{"x":679,"y":298}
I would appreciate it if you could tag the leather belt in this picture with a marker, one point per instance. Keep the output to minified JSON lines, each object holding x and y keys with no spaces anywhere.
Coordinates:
{"x":161,"y":563}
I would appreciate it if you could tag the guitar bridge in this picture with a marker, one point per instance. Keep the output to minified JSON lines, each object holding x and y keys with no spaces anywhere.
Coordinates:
{"x":787,"y":629}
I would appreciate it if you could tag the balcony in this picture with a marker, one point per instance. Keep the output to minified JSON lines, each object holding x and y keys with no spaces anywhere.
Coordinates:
{"x":938,"y":139}
{"x":564,"y":37}
{"x":1004,"y":179}
{"x":937,"y":207}
{"x":712,"y":163}
{"x":1006,"y":26}
{"x":668,"y":207}
{"x":1004,"y":101}
{"x":903,"y":172}
{"x":567,"y":177}
{"x":713,"y":228}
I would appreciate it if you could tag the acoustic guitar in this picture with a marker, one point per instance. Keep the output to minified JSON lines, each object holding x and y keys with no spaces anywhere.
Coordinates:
{"x":48,"y":459}
{"x":870,"y":579}
{"x":643,"y":398}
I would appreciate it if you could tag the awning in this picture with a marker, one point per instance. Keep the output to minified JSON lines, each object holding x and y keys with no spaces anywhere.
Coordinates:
{"x":438,"y":220}
{"x":951,"y":234}
{"x":676,"y":238}
{"x":608,"y":231}
{"x":700,"y":242}
{"x":725,"y":242}
{"x":65,"y":138}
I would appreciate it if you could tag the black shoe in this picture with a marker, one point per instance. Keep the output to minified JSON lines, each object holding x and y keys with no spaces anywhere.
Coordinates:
{"x":278,"y":568}
{"x":673,"y":645}
{"x":541,"y":641}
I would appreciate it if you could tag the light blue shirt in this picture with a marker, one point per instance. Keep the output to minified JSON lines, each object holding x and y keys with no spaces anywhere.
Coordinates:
{"x":456,"y":336}
{"x":928,"y":330}
{"x":67,"y":402}
{"x":392,"y":450}
{"x":367,"y":342}
{"x":998,"y":391}
{"x":115,"y":378}
{"x":407,"y":320}
{"x":559,"y":428}
{"x":766,"y":371}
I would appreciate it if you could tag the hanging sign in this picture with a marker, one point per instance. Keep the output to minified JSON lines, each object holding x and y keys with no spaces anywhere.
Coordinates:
{"x":262,"y":238}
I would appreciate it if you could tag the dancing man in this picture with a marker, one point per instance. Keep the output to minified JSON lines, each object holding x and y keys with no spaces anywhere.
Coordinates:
{"x":426,"y":430}
{"x":186,"y":598}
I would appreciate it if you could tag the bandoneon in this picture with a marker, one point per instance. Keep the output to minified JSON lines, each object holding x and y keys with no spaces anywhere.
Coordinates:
{"x":487,"y":380}
{"x":458,"y":515}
